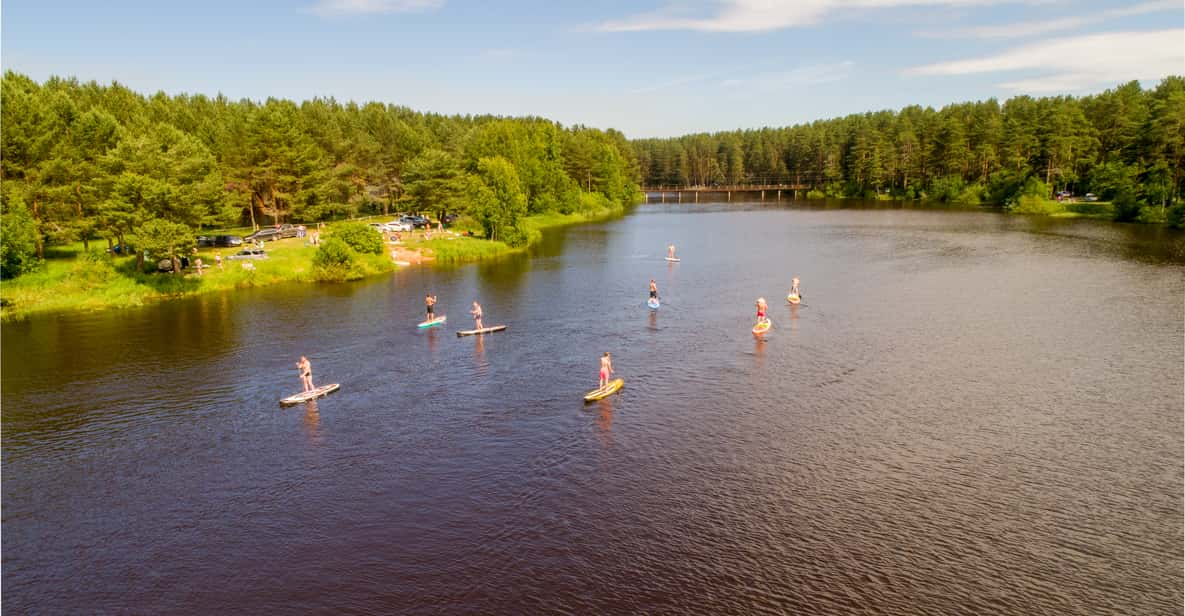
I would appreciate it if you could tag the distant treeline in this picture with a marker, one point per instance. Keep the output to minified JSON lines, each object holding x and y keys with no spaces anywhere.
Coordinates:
{"x":1126,"y":143}
{"x":86,"y":162}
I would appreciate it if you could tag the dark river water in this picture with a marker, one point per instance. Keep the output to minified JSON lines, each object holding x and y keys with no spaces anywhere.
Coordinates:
{"x":972,"y":413}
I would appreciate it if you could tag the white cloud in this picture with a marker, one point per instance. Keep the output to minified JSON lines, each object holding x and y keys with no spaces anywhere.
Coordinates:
{"x":670,"y":83}
{"x":1034,"y":28}
{"x":794,"y":78}
{"x":762,"y":15}
{"x":1079,"y":62}
{"x":328,"y":8}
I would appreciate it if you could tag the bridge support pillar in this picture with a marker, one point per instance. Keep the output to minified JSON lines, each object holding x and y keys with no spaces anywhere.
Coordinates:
{"x":730,"y":195}
{"x":779,"y":195}
{"x":664,"y":197}
{"x":697,"y":196}
{"x":680,"y":196}
{"x":763,"y":195}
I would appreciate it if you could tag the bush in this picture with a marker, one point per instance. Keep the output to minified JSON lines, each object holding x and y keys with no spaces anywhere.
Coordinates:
{"x":815,"y":193}
{"x":1151,"y":214}
{"x":1032,"y":204}
{"x":335,"y":260}
{"x":519,"y":236}
{"x":18,"y":240}
{"x":951,"y":189}
{"x":1127,"y":206}
{"x":359,"y":236}
{"x":1176,"y":216}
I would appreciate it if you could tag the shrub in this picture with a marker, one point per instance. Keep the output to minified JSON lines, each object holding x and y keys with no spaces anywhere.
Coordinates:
{"x":359,"y":236}
{"x":815,"y":193}
{"x":1127,"y":206}
{"x":18,"y":239}
{"x":1176,"y":215}
{"x":335,"y":260}
{"x":1032,"y":204}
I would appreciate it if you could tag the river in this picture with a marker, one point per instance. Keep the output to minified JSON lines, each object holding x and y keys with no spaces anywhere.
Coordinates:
{"x":971,"y":412}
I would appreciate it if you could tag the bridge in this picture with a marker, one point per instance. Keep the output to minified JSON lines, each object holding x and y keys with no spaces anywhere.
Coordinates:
{"x":676,"y":191}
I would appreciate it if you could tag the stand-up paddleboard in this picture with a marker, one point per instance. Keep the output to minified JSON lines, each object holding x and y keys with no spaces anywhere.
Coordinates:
{"x":762,"y":327}
{"x":484,"y":330}
{"x":609,"y":389}
{"x":434,"y":322}
{"x":305,"y":396}
{"x":653,"y":303}
{"x":793,"y":298}
{"x":673,"y":259}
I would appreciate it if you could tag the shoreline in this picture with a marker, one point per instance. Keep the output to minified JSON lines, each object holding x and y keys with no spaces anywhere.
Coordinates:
{"x":94,"y":282}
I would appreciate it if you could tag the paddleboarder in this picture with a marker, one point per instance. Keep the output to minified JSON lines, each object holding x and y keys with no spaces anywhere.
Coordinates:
{"x":794,"y":288}
{"x":306,"y":373}
{"x":429,"y":304}
{"x":761,"y":308}
{"x":476,"y":312}
{"x":606,"y":369}
{"x":653,"y":289}
{"x":671,"y":251}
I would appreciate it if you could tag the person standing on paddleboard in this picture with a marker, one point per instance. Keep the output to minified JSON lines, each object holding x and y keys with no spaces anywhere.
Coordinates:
{"x":794,"y":288}
{"x":671,"y":251}
{"x":429,"y":304}
{"x":653,"y":289}
{"x":476,"y":312}
{"x":761,"y":307}
{"x":606,"y":369}
{"x":306,"y":373}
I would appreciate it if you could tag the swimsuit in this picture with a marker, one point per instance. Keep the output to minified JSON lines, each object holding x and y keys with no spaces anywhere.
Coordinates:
{"x":654,"y":294}
{"x":604,"y":373}
{"x":430,"y":315}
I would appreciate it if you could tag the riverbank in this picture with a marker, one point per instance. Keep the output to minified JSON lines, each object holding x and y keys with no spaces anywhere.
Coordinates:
{"x":72,"y":280}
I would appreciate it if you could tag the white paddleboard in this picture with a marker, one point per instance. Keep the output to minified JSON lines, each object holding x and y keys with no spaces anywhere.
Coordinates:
{"x":484,"y":330}
{"x":305,"y":396}
{"x":673,"y":259}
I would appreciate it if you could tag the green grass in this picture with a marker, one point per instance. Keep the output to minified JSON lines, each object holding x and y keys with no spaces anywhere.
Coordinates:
{"x":71,"y":279}
{"x":99,"y":281}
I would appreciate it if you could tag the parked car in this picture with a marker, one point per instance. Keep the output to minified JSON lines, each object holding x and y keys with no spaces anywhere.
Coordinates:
{"x":1091,"y":197}
{"x":220,"y":241}
{"x":448,"y":219}
{"x":417,"y":222}
{"x":396,"y":225}
{"x":249,"y":253}
{"x":268,"y":234}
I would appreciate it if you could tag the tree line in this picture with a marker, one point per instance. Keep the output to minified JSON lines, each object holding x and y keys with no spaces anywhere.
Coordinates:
{"x":1126,"y":144}
{"x":89,"y":162}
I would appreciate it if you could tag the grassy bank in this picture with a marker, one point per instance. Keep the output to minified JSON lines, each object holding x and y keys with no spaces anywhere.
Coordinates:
{"x":71,"y":279}
{"x":469,"y":249}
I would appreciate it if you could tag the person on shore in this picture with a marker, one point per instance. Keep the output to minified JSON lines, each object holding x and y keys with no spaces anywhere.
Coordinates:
{"x":198,"y":264}
{"x":476,"y":312}
{"x":306,"y":373}
{"x":653,"y":289}
{"x":430,"y":305}
{"x":218,"y":260}
{"x":794,"y":289}
{"x":671,"y":251}
{"x":606,"y":370}
{"x":761,"y":309}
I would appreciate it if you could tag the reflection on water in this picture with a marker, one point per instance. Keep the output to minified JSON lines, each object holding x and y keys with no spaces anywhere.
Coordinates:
{"x":312,"y":422}
{"x":1007,"y":441}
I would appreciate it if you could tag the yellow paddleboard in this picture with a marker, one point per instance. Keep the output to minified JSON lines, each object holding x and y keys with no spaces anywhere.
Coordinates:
{"x":609,"y":389}
{"x":793,"y":298}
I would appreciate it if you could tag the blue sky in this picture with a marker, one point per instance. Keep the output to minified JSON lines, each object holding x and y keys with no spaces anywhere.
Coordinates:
{"x":649,"y":69}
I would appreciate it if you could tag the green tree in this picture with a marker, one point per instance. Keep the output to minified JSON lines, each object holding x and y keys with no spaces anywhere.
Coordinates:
{"x":18,"y":239}
{"x":162,"y":239}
